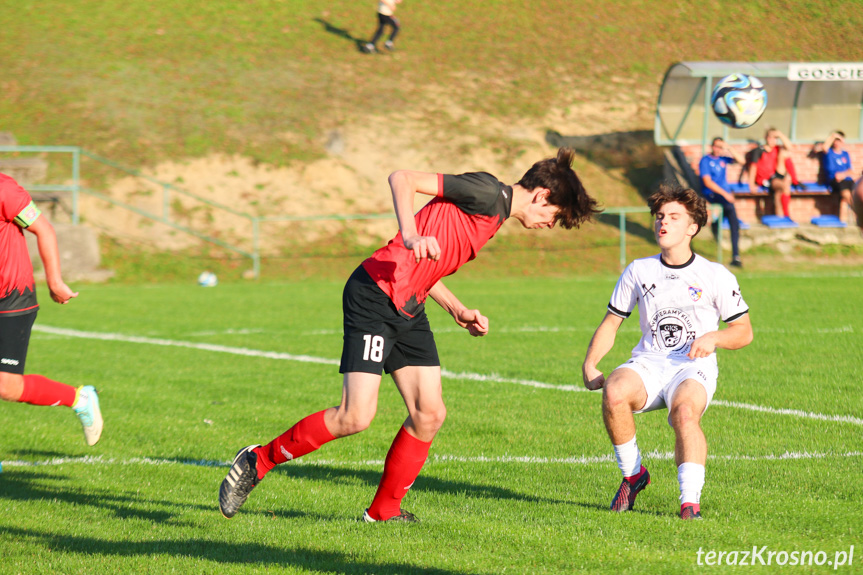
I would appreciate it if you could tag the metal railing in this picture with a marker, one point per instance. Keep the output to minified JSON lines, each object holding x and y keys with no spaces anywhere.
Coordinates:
{"x":169,"y":191}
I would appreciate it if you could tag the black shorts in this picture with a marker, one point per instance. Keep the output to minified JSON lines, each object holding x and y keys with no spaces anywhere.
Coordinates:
{"x":377,"y":338}
{"x":775,"y":176}
{"x":14,"y":340}
{"x":846,"y":184}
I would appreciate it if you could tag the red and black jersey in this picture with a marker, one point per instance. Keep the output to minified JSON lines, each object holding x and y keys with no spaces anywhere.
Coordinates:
{"x":17,"y":287}
{"x":467,"y":212}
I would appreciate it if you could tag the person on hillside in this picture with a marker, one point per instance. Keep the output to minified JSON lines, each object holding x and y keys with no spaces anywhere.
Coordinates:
{"x":771,"y":166}
{"x":838,"y":173}
{"x":715,"y":189}
{"x":681,"y":297}
{"x":385,"y":323}
{"x":386,"y":18}
{"x":18,"y":308}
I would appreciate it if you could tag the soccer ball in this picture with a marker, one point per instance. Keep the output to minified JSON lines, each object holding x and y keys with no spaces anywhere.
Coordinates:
{"x":207,"y":279}
{"x":739,"y":100}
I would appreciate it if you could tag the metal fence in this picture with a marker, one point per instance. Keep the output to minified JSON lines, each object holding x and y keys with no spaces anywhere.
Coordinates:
{"x":252,"y":248}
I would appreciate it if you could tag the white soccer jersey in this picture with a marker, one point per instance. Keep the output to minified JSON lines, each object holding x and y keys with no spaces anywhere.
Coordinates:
{"x":676,"y":304}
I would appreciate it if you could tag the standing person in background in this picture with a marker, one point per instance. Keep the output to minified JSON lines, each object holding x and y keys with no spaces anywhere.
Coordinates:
{"x":386,"y":17}
{"x":838,"y":173}
{"x":18,"y":309}
{"x":714,"y":188}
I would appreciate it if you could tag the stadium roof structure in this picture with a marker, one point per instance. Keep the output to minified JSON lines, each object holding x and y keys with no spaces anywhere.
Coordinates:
{"x":805,"y":100}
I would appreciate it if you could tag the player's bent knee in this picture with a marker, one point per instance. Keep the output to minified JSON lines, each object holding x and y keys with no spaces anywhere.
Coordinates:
{"x":349,"y":423}
{"x":10,"y":389}
{"x":684,"y":415}
{"x":430,"y":420}
{"x":616,"y":395}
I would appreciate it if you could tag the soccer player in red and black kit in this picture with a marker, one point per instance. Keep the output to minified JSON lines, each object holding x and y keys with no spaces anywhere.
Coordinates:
{"x":18,"y":308}
{"x":385,"y":324}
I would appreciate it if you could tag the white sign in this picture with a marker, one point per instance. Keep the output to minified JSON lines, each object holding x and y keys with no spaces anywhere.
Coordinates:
{"x":826,"y":71}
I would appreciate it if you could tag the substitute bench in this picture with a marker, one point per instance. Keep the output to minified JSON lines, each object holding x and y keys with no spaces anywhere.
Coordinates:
{"x":811,"y":201}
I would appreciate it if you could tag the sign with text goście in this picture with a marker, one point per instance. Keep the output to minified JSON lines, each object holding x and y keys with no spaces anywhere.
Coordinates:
{"x":826,"y":72}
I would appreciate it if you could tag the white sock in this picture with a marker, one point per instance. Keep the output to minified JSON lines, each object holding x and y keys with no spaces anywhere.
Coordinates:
{"x":691,"y":479}
{"x":628,"y":457}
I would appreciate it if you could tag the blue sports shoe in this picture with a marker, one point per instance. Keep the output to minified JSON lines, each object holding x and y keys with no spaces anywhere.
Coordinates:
{"x":86,"y":407}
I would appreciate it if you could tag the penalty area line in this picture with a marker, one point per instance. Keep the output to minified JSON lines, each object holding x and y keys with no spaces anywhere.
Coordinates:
{"x":433,"y":459}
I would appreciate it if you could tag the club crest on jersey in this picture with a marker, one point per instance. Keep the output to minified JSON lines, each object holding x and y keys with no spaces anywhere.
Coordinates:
{"x":695,"y":293}
{"x":673,"y":331}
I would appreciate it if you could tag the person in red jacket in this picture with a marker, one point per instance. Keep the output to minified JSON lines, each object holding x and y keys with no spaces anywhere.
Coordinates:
{"x":771,"y":166}
{"x":18,"y":307}
{"x":385,"y":323}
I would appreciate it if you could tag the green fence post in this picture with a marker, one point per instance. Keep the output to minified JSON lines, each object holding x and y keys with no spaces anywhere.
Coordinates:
{"x":76,"y":183}
{"x":622,"y":224}
{"x":256,"y":252}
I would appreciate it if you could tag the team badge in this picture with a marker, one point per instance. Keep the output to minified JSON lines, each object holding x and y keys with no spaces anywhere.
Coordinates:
{"x":695,"y":293}
{"x":673,"y":331}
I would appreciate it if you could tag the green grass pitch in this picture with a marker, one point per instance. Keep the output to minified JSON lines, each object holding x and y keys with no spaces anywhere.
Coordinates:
{"x":519,"y":478}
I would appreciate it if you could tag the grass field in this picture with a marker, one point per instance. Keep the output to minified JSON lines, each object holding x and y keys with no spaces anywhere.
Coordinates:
{"x":140,"y":82}
{"x":519,"y":478}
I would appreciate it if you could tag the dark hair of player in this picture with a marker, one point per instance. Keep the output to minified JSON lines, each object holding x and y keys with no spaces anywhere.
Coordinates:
{"x":695,"y":205}
{"x":565,"y":189}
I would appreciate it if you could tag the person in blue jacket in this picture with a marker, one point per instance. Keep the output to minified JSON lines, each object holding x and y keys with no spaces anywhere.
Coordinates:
{"x":838,"y":173}
{"x":715,"y":189}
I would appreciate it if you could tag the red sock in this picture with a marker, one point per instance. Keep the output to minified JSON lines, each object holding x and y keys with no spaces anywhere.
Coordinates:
{"x":633,"y":478}
{"x":305,"y":436}
{"x":786,"y":204}
{"x":404,"y":462}
{"x":39,"y":390}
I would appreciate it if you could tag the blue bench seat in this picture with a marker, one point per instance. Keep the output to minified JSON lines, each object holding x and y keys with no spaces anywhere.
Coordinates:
{"x":778,"y":222}
{"x":812,"y":188}
{"x":828,"y":221}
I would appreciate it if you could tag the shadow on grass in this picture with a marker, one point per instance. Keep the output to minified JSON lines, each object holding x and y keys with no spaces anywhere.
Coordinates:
{"x":423,"y":482}
{"x":60,"y":489}
{"x":220,"y":552}
{"x":342,"y":33}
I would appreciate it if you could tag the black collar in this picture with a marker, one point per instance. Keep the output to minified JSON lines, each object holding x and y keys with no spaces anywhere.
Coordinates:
{"x":668,"y":265}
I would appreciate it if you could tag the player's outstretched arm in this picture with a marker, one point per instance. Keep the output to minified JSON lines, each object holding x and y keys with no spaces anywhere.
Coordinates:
{"x":731,"y":152}
{"x":46,"y":239}
{"x":405,"y":184}
{"x":738,"y":334}
{"x":470,"y":319}
{"x":600,"y":344}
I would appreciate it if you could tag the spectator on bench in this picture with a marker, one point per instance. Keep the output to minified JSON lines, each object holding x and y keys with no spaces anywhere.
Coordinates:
{"x":771,"y":166}
{"x":838,"y":173}
{"x":714,"y":188}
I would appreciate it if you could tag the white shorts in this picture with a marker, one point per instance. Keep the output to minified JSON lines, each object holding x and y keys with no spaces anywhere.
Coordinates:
{"x":662,"y":376}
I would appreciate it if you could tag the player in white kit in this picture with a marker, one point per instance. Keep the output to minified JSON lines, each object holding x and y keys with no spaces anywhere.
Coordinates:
{"x":681,"y":297}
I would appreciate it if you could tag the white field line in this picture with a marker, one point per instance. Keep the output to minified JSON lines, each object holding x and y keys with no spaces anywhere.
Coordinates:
{"x":794,"y":412}
{"x":492,"y":378}
{"x":633,"y":328}
{"x":433,"y":459}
